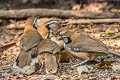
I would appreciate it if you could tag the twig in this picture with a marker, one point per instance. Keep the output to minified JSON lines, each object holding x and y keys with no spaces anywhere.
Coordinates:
{"x":78,"y":21}
{"x":8,"y":44}
{"x":24,"y":13}
{"x":89,"y":21}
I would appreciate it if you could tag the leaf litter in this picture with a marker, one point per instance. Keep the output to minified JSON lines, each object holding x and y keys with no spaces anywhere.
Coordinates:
{"x":10,"y":54}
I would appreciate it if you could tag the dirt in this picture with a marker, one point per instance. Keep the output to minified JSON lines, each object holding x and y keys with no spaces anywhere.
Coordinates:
{"x":9,"y":55}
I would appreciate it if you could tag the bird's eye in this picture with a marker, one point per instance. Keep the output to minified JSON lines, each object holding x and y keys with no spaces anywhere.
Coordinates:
{"x":67,"y":40}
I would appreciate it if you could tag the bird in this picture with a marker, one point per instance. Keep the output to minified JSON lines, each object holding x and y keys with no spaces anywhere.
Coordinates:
{"x":84,"y":47}
{"x":48,"y":50}
{"x":49,"y":30}
{"x":63,"y":56}
{"x":45,"y":30}
{"x":51,"y":26}
{"x":28,"y":42}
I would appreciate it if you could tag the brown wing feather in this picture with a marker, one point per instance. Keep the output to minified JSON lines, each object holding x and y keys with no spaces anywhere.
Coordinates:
{"x":30,"y":40}
{"x":47,"y":46}
{"x":88,"y":44}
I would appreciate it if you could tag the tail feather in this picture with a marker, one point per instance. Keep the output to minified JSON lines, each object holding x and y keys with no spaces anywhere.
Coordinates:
{"x":114,"y":53}
{"x":23,"y":59}
{"x":51,"y":63}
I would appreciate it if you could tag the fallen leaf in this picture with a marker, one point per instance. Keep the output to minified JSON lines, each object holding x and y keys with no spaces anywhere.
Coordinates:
{"x":29,"y":69}
{"x":51,"y":77}
{"x":109,"y":32}
{"x":116,"y":67}
{"x":105,"y":65}
{"x":84,"y":68}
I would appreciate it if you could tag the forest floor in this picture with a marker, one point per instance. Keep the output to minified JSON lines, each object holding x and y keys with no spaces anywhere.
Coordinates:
{"x":109,"y":34}
{"x":9,"y":54}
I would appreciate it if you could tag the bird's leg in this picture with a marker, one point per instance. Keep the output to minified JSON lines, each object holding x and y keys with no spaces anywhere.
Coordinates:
{"x":82,"y":63}
{"x":42,"y":65}
{"x":41,"y":60}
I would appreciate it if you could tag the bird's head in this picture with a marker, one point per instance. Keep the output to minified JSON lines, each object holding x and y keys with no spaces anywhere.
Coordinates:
{"x":32,"y":21}
{"x":54,"y":24}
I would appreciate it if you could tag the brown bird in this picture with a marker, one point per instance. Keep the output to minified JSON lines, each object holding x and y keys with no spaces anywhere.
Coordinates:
{"x":48,"y":50}
{"x":28,"y":42}
{"x":84,"y":47}
{"x":50,"y":26}
{"x":63,"y":56}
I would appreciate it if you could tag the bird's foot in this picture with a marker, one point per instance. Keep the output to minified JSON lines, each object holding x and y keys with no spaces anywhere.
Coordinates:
{"x":103,"y":57}
{"x":42,"y":65}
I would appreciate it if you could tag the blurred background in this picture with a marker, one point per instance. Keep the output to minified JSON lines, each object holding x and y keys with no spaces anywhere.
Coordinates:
{"x":89,"y":5}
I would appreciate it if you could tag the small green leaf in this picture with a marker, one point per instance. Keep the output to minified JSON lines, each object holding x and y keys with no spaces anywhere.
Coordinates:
{"x":84,"y":68}
{"x":109,"y":32}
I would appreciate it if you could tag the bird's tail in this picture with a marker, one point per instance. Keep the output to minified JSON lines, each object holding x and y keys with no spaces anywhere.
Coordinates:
{"x":51,"y":63}
{"x":23,"y":59}
{"x":26,"y":57}
{"x":114,"y":53}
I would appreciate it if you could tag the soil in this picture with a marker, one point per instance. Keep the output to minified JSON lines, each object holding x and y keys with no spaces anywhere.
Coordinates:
{"x":9,"y":54}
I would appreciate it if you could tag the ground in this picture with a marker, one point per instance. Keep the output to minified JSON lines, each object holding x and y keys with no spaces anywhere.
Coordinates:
{"x":9,"y":32}
{"x":9,"y":54}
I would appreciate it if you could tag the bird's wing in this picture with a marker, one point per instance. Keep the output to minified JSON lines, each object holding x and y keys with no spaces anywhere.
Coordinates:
{"x":47,"y":46}
{"x":30,"y":40}
{"x":87,"y":44}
